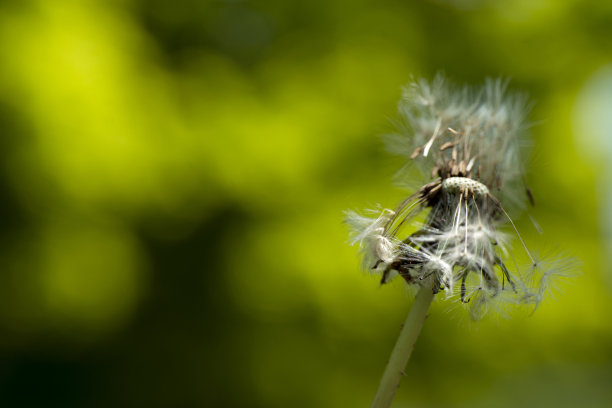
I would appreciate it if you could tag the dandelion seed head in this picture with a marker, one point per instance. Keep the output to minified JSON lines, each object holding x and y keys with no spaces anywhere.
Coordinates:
{"x":469,"y":142}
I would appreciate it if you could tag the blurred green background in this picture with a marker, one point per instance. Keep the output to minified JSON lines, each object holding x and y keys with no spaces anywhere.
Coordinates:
{"x":172,"y":185}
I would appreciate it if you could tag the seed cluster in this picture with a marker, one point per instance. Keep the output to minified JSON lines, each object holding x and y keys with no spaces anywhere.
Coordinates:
{"x":469,"y":142}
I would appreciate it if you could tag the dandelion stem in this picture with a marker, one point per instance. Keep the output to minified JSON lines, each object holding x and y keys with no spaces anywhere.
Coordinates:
{"x":403,"y":348}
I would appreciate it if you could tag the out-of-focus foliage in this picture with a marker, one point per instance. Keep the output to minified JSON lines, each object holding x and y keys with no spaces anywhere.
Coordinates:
{"x":172,"y":185}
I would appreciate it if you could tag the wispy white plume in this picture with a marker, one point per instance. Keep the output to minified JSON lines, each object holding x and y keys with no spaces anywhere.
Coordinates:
{"x":469,"y":141}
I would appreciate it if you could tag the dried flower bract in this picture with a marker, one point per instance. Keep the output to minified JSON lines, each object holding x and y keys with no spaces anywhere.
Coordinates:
{"x":469,"y":141}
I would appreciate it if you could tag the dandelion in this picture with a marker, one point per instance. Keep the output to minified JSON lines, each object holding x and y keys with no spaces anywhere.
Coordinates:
{"x":469,"y":142}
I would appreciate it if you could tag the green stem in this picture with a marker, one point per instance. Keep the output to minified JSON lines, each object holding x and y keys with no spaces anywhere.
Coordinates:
{"x":403,"y":348}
